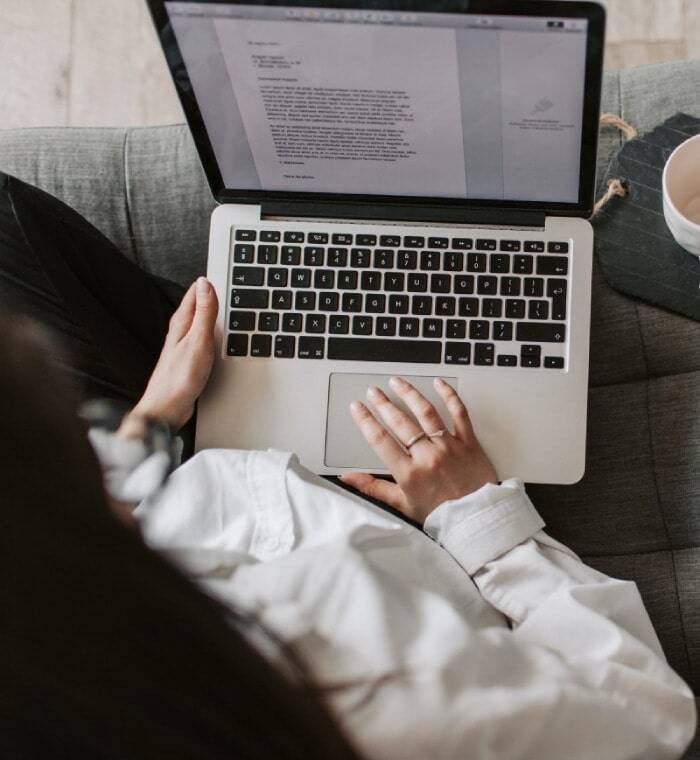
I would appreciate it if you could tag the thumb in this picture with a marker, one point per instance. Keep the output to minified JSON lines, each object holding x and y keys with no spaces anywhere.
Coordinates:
{"x":206,"y":308}
{"x":375,"y":488}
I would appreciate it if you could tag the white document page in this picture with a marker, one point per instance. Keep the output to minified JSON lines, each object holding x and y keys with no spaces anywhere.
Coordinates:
{"x":348,"y":108}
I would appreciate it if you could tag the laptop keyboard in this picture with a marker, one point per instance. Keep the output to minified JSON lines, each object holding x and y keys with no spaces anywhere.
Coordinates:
{"x":499,"y":300}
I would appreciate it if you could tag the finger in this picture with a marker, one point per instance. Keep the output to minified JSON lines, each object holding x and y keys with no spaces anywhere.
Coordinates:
{"x":375,"y":488}
{"x":426,"y":414}
{"x":385,"y":447}
{"x":456,"y":408}
{"x":399,"y":423}
{"x":181,"y":320}
{"x":206,"y":309}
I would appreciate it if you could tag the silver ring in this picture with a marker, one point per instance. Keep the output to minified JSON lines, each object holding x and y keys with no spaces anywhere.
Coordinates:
{"x":417,"y":437}
{"x":438,"y":434}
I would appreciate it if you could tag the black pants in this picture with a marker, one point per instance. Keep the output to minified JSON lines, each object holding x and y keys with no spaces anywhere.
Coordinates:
{"x":108,"y":316}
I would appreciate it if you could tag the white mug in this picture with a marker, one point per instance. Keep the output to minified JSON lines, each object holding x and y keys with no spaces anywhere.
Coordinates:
{"x":681,"y":193}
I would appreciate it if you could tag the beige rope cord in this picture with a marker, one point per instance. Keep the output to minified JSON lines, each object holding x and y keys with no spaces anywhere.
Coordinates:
{"x":615,"y":187}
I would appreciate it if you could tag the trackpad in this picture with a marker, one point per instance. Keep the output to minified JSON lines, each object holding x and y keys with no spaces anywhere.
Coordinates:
{"x":345,"y":444}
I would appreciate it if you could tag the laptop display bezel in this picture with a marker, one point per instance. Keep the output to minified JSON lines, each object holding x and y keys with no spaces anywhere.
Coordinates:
{"x":383,"y":206}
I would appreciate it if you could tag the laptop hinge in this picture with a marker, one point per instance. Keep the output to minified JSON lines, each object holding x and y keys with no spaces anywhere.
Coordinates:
{"x":388,"y":212}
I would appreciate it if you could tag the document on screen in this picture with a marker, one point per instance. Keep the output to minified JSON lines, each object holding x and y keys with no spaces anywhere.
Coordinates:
{"x":348,"y":108}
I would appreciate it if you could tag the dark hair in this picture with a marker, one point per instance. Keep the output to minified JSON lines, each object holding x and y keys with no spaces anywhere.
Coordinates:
{"x":106,"y":651}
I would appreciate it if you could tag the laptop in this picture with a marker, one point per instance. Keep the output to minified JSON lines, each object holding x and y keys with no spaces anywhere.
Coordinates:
{"x":403,"y":189}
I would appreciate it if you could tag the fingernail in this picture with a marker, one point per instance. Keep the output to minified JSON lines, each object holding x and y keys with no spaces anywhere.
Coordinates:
{"x":355,"y":406}
{"x":397,"y":382}
{"x":202,"y":286}
{"x":374,"y":392}
{"x":439,"y":381}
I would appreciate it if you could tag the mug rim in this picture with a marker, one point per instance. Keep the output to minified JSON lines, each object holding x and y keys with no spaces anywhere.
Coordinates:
{"x":664,"y":184}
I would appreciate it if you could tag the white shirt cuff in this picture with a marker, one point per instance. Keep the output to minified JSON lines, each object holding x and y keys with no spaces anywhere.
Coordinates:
{"x":485,"y":524}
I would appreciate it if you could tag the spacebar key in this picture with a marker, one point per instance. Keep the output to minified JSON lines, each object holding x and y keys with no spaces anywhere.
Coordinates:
{"x":371,"y":350}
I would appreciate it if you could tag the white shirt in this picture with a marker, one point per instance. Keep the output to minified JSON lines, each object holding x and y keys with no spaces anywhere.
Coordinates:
{"x":488,"y":640}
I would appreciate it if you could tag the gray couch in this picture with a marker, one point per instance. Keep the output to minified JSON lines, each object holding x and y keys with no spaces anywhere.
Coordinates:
{"x":636,"y":513}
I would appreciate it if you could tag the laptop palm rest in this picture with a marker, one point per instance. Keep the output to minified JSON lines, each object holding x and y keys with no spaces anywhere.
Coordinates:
{"x":345,"y":444}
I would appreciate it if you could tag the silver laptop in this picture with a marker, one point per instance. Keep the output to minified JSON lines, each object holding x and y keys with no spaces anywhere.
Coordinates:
{"x":403,"y":189}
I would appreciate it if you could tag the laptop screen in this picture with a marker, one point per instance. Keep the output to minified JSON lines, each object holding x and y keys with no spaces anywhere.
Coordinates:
{"x":388,"y":103}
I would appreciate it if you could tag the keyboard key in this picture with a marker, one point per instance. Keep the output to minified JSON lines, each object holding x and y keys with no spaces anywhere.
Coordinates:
{"x":484,"y":354}
{"x":522,"y":264}
{"x":328,"y":301}
{"x":301,"y":278}
{"x":398,"y":304}
{"x":277,"y":278}
{"x":453,"y":261}
{"x":407,"y":259}
{"x":267,"y":254}
{"x":315,"y":323}
{"x":248,"y":276}
{"x":430,"y":260}
{"x":531,"y":350}
{"x":445,"y":306}
{"x":476,"y":262}
{"x":268,"y":321}
{"x":458,"y":353}
{"x":371,"y":281}
{"x":347,"y":280}
{"x":366,"y":239}
{"x":487,"y":286}
{"x":510,"y":245}
{"x":484,"y":244}
{"x":411,"y":241}
{"x":510,"y":286}
{"x":385,"y":350}
{"x":243,"y":254}
{"x":249,"y":299}
{"x":337,"y":257}
{"x":383,"y":259}
{"x":292,"y":236}
{"x":391,"y":241}
{"x":291,"y":255}
{"x":386,"y":326}
{"x":305,"y":300}
{"x":318,"y":238}
{"x":313,"y":256}
{"x":555,"y":247}
{"x":432,"y":328}
{"x":438,"y":242}
{"x":360,"y":258}
{"x":417,"y":283}
{"x":556,"y":290}
{"x":281,"y":299}
{"x":538,"y":310}
{"x":507,"y":360}
{"x":503,"y":331}
{"x":292,"y":322}
{"x":463,"y":284}
{"x":456,"y":329}
{"x":408,"y":327}
{"x":534,"y":287}
{"x":554,"y":362}
{"x":324,"y":279}
{"x":422,"y":305}
{"x":352,"y":302}
{"x":530,"y":361}
{"x":362,"y":325}
{"x":237,"y":344}
{"x":492,"y":308}
{"x":270,"y":236}
{"x":284,"y":346}
{"x":515,"y":308}
{"x":534,"y":246}
{"x":339,"y":325}
{"x":311,"y":348}
{"x":557,"y":265}
{"x":499,"y":263}
{"x":540,"y":332}
{"x":241,"y":320}
{"x":394,"y":282}
{"x":479,"y":329}
{"x":246,"y":235}
{"x":462,"y":244}
{"x":469,"y":307}
{"x":261,"y":345}
{"x":440,"y":283}
{"x":375,"y":303}
{"x":342,"y":238}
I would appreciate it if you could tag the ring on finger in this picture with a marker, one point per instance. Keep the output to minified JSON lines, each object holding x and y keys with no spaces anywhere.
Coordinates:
{"x":438,"y":433}
{"x":412,"y":441}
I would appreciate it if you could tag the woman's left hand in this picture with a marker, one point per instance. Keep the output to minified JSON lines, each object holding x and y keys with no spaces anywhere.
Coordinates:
{"x":433,"y":465}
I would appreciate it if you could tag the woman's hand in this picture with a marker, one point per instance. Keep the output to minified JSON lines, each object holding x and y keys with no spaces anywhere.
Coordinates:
{"x":185,"y":362}
{"x":437,"y":467}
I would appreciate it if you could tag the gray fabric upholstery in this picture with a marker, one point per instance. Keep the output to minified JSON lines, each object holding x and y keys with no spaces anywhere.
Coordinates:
{"x":636,"y":513}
